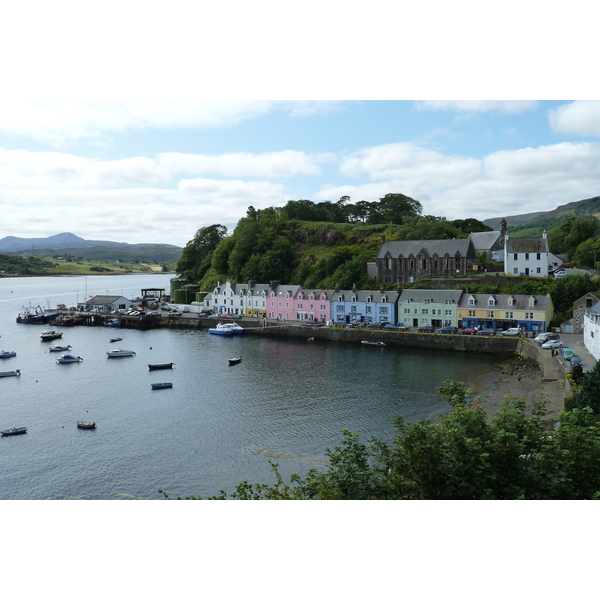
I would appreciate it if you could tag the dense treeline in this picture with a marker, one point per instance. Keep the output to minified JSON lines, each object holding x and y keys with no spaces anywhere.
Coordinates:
{"x":20,"y":265}
{"x":316,"y":245}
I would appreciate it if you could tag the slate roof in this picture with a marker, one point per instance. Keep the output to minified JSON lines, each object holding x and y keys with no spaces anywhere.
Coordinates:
{"x":414,"y":247}
{"x":530,"y":244}
{"x":484,"y":240}
{"x":362,"y":295}
{"x":102,"y":300}
{"x":520,"y":301}
{"x":436,"y":296}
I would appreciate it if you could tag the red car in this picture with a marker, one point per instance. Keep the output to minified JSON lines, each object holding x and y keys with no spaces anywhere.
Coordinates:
{"x":468,"y":331}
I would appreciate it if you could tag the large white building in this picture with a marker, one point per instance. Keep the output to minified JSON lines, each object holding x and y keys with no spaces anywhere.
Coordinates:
{"x":526,"y":256}
{"x":591,"y":330}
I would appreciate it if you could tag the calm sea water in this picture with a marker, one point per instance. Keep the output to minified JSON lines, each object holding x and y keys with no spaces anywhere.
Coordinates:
{"x":219,"y":425}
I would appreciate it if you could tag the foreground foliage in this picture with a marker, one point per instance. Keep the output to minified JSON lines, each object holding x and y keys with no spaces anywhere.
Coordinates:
{"x":517,"y":455}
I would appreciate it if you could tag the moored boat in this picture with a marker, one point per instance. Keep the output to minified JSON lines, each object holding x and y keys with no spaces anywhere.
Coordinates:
{"x":226,"y":329}
{"x":50,"y":334}
{"x":86,"y":424}
{"x":68,"y":358}
{"x":113,"y":323}
{"x":60,"y":348}
{"x":367,"y":343}
{"x":15,"y":373}
{"x":119,"y":353}
{"x":161,"y":386}
{"x":14,"y":431}
{"x":157,"y":367}
{"x":34,"y":316}
{"x":117,"y":339}
{"x":7,"y":354}
{"x":235,"y":360}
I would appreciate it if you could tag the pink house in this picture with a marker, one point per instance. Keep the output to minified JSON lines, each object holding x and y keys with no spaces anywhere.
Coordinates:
{"x":313,"y":305}
{"x":281,"y":302}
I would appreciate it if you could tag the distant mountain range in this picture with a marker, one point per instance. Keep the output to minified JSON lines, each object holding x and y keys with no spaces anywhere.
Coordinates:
{"x":552,"y":218}
{"x":69,"y":243}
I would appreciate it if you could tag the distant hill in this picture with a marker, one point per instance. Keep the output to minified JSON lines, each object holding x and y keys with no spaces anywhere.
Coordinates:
{"x":73,"y":245}
{"x":536,"y":222}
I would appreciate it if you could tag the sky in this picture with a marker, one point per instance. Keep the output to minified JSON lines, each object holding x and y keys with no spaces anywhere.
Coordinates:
{"x":157,"y":171}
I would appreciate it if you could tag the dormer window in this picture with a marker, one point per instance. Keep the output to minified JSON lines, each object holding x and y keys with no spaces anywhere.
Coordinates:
{"x":491,"y":301}
{"x":531,"y":301}
{"x":471,"y":301}
{"x":384,"y":299}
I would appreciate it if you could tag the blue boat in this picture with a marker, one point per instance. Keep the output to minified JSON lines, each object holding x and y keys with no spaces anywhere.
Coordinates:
{"x":161,"y":386}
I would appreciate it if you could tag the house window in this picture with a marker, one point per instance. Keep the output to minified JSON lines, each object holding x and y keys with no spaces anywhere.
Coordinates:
{"x":448,"y":312}
{"x":489,"y":314}
{"x":407,"y":311}
{"x":526,"y":255}
{"x":538,"y":270}
{"x":426,"y":301}
{"x":299,"y":306}
{"x":425,"y":311}
{"x":516,"y":271}
{"x":448,"y":301}
{"x":508,"y":315}
{"x":539,"y":256}
{"x":471,"y":302}
{"x":383,"y":310}
{"x":423,"y":263}
{"x":368,"y":309}
{"x":515,"y":256}
{"x":412,"y":265}
{"x":472,"y":313}
{"x":491,"y":302}
{"x":340,"y":308}
{"x":389,"y":263}
{"x":528,"y":315}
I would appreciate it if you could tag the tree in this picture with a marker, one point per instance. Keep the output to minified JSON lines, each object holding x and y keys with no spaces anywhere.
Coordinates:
{"x":197,"y":255}
{"x":565,"y":238}
{"x":588,"y":393}
{"x":393,"y":208}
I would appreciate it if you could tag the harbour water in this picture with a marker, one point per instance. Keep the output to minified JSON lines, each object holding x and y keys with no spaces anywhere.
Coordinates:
{"x":217,"y":426}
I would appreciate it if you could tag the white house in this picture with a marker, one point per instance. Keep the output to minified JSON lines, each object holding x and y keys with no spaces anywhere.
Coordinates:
{"x":106,"y":304}
{"x":526,"y":256}
{"x":591,"y":330}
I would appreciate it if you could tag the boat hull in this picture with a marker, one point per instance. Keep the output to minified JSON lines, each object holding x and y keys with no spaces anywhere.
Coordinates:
{"x":161,"y":386}
{"x":14,"y":373}
{"x":160,"y":367}
{"x":86,"y":424}
{"x":14,"y":431}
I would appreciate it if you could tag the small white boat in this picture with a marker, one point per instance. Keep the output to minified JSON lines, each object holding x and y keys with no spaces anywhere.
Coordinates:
{"x":59,"y":348}
{"x":7,"y":354}
{"x":68,"y":358}
{"x":119,"y":353}
{"x":367,"y":343}
{"x":50,"y":334}
{"x":86,"y":424}
{"x":226,"y":329}
{"x":235,"y":360}
{"x":15,"y":373}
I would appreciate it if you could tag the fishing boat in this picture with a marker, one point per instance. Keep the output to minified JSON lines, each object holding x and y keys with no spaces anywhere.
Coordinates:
{"x":68,"y":358}
{"x":7,"y":354}
{"x":15,"y":373}
{"x":86,"y":424}
{"x":113,"y":323}
{"x":50,"y":334}
{"x":60,"y":348}
{"x":235,"y":360}
{"x":117,"y":339}
{"x":14,"y":431}
{"x":160,"y":366}
{"x":161,"y":386}
{"x":35,"y":316}
{"x":367,"y":343}
{"x":119,"y":353}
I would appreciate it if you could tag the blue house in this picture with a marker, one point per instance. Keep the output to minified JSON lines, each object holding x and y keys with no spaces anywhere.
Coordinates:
{"x":364,"y":306}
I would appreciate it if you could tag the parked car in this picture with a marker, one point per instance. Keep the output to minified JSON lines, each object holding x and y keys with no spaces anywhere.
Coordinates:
{"x":488,"y":331}
{"x":391,"y":327}
{"x":512,"y":331}
{"x":426,"y":329}
{"x":545,"y":337}
{"x":566,"y":353}
{"x":552,"y":344}
{"x":468,"y":331}
{"x":448,"y":330}
{"x":563,"y":266}
{"x":558,"y":274}
{"x":576,"y":360}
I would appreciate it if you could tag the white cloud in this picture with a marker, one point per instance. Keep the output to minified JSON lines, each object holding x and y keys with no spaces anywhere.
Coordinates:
{"x":503,"y":183}
{"x":580,"y":118}
{"x":478,"y":106}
